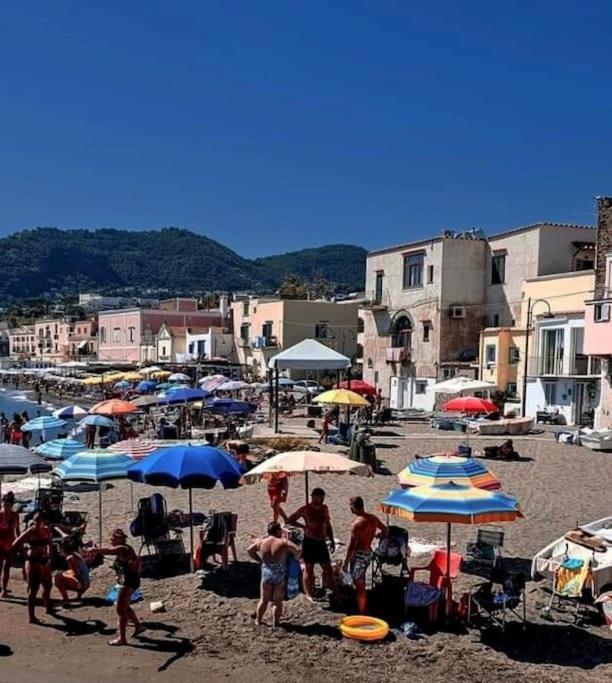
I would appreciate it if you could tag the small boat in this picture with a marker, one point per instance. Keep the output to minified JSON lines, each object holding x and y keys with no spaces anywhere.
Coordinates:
{"x":597,"y":441}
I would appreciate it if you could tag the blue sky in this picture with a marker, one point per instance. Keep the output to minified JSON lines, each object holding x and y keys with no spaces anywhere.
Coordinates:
{"x":277,"y":125}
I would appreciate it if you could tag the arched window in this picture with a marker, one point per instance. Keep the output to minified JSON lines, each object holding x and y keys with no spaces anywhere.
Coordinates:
{"x":401,"y":331}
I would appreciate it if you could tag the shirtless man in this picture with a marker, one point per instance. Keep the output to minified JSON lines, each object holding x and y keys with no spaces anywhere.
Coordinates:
{"x":272,"y":552}
{"x":318,"y":528}
{"x":359,"y":553}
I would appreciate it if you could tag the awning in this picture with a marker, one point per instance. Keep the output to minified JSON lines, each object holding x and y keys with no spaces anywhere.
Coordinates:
{"x":82,"y":344}
{"x":309,"y":354}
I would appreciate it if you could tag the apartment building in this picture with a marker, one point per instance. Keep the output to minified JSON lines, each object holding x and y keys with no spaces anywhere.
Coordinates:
{"x":130,"y":335}
{"x":429,"y":300}
{"x":598,"y":316}
{"x":186,"y":344}
{"x":22,"y":342}
{"x":264,"y":326}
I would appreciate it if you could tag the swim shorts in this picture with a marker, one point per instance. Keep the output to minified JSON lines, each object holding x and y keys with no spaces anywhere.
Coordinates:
{"x":273,"y":573}
{"x":360,"y":563}
{"x":315,"y":551}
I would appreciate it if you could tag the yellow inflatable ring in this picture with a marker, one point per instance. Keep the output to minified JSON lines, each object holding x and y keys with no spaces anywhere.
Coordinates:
{"x":364,"y":628}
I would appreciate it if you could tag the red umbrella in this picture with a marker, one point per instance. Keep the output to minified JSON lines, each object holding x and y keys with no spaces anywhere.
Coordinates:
{"x":359,"y":387}
{"x":470,"y":404}
{"x":113,"y":407}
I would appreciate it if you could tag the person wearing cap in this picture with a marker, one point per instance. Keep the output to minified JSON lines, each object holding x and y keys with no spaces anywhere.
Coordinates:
{"x":127,"y":569}
{"x":318,"y":529}
{"x":9,"y":530}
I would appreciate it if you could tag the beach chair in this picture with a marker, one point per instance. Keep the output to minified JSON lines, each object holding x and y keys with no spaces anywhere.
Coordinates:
{"x":152,"y":521}
{"x":218,"y":538}
{"x":485,"y":600}
{"x":570,"y":582}
{"x":392,"y":550}
{"x":437,"y":570}
{"x":487,"y":549}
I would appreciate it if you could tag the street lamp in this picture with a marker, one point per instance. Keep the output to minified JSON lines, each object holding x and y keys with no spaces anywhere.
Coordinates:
{"x":530,"y":306}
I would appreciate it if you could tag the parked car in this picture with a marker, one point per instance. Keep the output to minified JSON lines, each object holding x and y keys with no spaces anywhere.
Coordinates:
{"x":308,"y":386}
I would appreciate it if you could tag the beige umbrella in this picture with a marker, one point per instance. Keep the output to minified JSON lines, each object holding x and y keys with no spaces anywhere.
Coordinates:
{"x":293,"y":463}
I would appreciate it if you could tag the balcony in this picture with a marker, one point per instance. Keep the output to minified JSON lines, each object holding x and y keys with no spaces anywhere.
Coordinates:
{"x":578,"y":366}
{"x":397,"y":354}
{"x":263,"y":342}
{"x":377,"y":300}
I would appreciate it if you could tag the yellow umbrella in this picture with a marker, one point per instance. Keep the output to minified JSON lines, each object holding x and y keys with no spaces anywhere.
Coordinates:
{"x":92,"y":380}
{"x":113,"y":377}
{"x":342,"y":397}
{"x":161,"y":374}
{"x":132,"y":376}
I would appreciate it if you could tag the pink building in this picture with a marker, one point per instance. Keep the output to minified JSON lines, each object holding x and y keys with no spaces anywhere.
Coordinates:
{"x":126,"y":335}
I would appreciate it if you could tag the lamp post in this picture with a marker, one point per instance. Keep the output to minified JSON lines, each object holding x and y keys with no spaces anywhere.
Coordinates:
{"x":530,"y":306}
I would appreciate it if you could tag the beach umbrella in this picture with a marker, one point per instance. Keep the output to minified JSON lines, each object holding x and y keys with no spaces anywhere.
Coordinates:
{"x":341,"y":397}
{"x":358,"y":386}
{"x":147,"y":401}
{"x":97,"y":421}
{"x":134,"y":448}
{"x":96,"y":466}
{"x":43,"y":422}
{"x":122,"y":384}
{"x":19,"y":460}
{"x":442,"y":469}
{"x":211,"y":382}
{"x":451,"y":503}
{"x":227,"y":406}
{"x":59,"y":449}
{"x":150,"y":370}
{"x":294,"y":463}
{"x":179,"y":377}
{"x":184,"y":395}
{"x":457,"y":385}
{"x":91,"y":381}
{"x":113,"y":407}
{"x":232,"y":385}
{"x":165,"y":385}
{"x":161,"y":374}
{"x":470,"y":405}
{"x":132,"y":376}
{"x":146,"y":385}
{"x":69,"y":412}
{"x":188,"y":467}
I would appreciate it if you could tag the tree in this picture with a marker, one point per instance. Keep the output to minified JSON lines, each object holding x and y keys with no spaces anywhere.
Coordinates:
{"x":292,"y":288}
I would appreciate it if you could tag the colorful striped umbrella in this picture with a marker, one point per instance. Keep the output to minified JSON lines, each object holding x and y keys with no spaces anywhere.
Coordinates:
{"x":69,"y":412}
{"x":451,"y":503}
{"x":96,"y":466}
{"x":134,"y":448}
{"x":43,"y":422}
{"x":211,"y":382}
{"x":59,"y":449}
{"x":442,"y":469}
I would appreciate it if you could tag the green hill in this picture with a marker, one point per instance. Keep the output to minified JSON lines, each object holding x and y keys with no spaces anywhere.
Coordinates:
{"x":34,"y":262}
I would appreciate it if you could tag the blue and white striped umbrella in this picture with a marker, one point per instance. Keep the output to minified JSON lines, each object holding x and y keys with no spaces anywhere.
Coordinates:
{"x":59,"y":449}
{"x":97,"y":420}
{"x":43,"y":422}
{"x":96,"y":466}
{"x":70,"y":412}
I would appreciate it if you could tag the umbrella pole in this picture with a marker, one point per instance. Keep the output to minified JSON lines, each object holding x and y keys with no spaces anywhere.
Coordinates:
{"x":448,"y":571}
{"x":191,"y":530}
{"x":276,"y":400}
{"x":306,"y":486}
{"x":100,"y":512}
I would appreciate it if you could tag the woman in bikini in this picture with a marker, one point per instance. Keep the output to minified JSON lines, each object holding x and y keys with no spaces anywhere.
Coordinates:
{"x":9,"y":530}
{"x":38,"y":542}
{"x":127,"y":568}
{"x":76,"y":577}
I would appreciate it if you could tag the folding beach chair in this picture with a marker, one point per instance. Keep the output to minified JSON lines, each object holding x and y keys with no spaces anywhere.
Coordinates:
{"x":570,"y":582}
{"x":487,"y":549}
{"x":392,"y":550}
{"x":218,"y":538}
{"x":496,"y":604}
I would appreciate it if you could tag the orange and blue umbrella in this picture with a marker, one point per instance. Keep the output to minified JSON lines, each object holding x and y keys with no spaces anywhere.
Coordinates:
{"x":443,"y":469}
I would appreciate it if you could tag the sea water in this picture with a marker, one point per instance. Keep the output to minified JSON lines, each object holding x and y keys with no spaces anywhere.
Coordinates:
{"x":17,"y":400}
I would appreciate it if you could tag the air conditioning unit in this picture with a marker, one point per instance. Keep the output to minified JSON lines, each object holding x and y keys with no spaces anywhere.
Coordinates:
{"x":457,"y":312}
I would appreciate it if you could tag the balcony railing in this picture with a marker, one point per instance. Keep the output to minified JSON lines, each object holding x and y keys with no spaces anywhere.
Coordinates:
{"x":578,"y":366}
{"x":398,"y":354}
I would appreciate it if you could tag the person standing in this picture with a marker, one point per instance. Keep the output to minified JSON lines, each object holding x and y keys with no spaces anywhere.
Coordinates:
{"x":359,"y":553}
{"x":9,"y":531}
{"x":325,"y":424}
{"x":318,"y":528}
{"x":272,"y":552}
{"x":127,"y":569}
{"x":278,"y":488}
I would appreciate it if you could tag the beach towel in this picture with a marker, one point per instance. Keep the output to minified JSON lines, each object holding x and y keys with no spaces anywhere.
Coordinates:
{"x":111,"y":596}
{"x":293,"y":578}
{"x":570,"y":579}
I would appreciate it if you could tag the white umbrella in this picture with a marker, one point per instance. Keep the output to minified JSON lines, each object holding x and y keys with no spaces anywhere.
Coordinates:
{"x":179,"y":377}
{"x":232,"y":385}
{"x":457,"y":385}
{"x":150,"y":369}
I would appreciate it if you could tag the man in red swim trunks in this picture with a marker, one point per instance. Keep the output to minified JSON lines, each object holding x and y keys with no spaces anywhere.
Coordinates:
{"x":278,"y":488}
{"x":318,"y":528}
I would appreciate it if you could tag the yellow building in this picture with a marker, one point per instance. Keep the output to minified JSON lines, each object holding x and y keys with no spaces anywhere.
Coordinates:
{"x":500,"y":355}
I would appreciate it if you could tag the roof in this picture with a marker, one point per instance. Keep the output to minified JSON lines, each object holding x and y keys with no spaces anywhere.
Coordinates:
{"x":309,"y":354}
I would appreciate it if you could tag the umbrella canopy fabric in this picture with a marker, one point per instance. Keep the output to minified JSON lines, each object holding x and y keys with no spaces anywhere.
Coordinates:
{"x":113,"y":407}
{"x":146,"y":385}
{"x":451,"y":503}
{"x":232,"y":385}
{"x":97,"y":421}
{"x":59,"y":449}
{"x":457,"y":385}
{"x":161,"y":374}
{"x":442,"y":469}
{"x":123,"y":384}
{"x":134,"y":448}
{"x":92,"y":381}
{"x":341,"y":397}
{"x":179,"y":377}
{"x":132,"y":376}
{"x":309,"y":354}
{"x":294,"y":463}
{"x":184,"y":395}
{"x":165,"y":385}
{"x":227,"y":406}
{"x":358,"y":386}
{"x":146,"y":401}
{"x":69,"y":412}
{"x":150,"y":370}
{"x":19,"y":460}
{"x":470,"y":404}
{"x":212,"y":382}
{"x":96,"y":465}
{"x":187,"y":467}
{"x":43,"y":422}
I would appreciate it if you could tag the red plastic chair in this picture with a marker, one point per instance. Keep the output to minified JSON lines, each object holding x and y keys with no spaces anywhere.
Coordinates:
{"x":437,"y":573}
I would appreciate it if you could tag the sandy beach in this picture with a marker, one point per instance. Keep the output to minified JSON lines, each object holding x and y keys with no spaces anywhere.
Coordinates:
{"x":208,"y":629}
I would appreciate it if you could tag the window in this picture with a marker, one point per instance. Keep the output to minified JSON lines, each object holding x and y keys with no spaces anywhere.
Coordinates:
{"x":426,"y":331}
{"x":245,"y":309}
{"x":266,"y":330}
{"x":601,"y":313}
{"x":495,"y":320}
{"x":430,"y":273}
{"x":378,"y":287}
{"x":420,"y":388}
{"x":103,"y":335}
{"x":490,"y":353}
{"x":511,"y":389}
{"x":401,"y":332}
{"x":550,"y":393}
{"x":552,"y":351}
{"x":498,"y":269}
{"x":360,"y":325}
{"x":413,"y":270}
{"x":244,"y":332}
{"x":584,"y":264}
{"x":132,"y":334}
{"x":163,"y":350}
{"x":116,"y":334}
{"x":322,"y":330}
{"x":514,"y":355}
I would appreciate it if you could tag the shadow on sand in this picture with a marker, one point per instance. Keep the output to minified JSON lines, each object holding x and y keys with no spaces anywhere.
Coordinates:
{"x":241,"y":580}
{"x":5,"y":651}
{"x":170,"y":643}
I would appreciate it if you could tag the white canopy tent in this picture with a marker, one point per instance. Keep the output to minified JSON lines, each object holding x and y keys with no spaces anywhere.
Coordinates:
{"x":309,"y":354}
{"x":458,"y":385}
